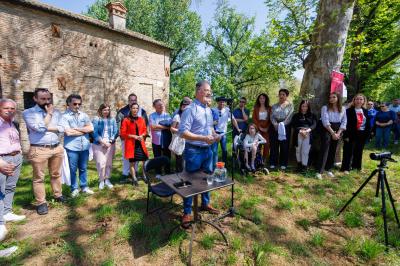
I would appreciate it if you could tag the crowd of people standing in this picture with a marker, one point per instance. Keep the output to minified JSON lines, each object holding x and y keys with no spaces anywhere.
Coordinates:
{"x":204,"y":130}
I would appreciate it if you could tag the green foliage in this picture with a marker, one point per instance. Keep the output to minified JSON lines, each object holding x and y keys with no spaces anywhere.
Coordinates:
{"x":304,"y":223}
{"x":317,"y":239}
{"x":239,"y":60}
{"x":353,"y":219}
{"x":325,"y":214}
{"x":208,"y":241}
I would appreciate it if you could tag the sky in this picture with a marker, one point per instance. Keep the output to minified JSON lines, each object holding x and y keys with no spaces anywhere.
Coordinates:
{"x":205,"y":8}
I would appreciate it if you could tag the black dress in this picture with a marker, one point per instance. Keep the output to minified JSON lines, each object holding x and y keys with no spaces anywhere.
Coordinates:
{"x":139,"y":152}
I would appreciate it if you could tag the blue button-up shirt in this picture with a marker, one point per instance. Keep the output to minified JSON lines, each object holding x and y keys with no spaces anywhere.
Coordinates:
{"x":197,"y":119}
{"x":75,"y":120}
{"x":37,"y":130}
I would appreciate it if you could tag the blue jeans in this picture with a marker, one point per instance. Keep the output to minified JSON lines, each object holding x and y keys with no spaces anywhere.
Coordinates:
{"x":382,"y":135}
{"x":197,"y":159}
{"x":78,"y":160}
{"x":396,"y":131}
{"x":214,"y":148}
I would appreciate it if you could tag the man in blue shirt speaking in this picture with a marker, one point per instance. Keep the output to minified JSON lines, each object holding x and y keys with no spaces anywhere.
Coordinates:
{"x":197,"y":128}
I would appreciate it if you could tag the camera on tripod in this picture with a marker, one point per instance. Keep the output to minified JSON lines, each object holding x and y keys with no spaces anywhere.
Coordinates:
{"x":380,"y":156}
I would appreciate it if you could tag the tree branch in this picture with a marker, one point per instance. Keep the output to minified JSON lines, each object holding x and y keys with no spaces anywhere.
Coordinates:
{"x":384,"y":62}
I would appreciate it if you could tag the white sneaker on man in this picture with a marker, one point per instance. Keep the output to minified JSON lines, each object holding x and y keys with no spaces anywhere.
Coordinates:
{"x":12,"y":217}
{"x":318,"y":176}
{"x":8,"y":251}
{"x":283,"y":167}
{"x":272,"y":166}
{"x":101,"y":185}
{"x":75,"y":193}
{"x":87,"y":190}
{"x":346,"y":172}
{"x":330,"y":174}
{"x":3,"y":232}
{"x":108,"y":183}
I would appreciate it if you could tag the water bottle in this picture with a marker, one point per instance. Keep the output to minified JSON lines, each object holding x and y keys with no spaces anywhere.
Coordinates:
{"x":220,"y":172}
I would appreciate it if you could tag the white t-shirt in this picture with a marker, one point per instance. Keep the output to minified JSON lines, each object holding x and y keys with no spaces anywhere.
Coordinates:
{"x":224,"y":116}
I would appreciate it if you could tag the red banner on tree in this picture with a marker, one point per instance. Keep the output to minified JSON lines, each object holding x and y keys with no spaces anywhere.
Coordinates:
{"x":337,"y":82}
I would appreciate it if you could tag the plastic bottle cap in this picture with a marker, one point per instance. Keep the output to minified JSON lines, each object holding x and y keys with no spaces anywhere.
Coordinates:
{"x":220,"y":164}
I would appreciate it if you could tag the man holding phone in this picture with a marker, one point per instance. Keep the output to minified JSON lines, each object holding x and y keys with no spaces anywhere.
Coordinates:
{"x":45,"y":150}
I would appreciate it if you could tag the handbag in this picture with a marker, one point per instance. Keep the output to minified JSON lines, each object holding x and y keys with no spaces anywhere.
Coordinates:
{"x":177,"y":144}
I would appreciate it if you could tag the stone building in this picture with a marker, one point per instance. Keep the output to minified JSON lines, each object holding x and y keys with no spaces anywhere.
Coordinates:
{"x":43,"y":46}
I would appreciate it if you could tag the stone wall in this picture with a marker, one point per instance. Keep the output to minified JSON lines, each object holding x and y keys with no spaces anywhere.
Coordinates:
{"x":39,"y":49}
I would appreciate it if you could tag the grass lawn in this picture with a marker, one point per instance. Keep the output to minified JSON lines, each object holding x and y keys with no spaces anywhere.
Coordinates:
{"x":290,"y":219}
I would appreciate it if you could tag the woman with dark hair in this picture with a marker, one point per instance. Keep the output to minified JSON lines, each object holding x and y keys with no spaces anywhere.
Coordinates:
{"x":105,"y":132}
{"x":334,"y":120}
{"x":357,"y":132}
{"x":134,"y":132}
{"x":281,"y":115}
{"x":384,"y":120}
{"x":174,"y":129}
{"x":261,"y":118}
{"x":303,"y":123}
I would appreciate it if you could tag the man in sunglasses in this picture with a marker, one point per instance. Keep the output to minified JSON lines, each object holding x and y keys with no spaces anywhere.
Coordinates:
{"x":77,"y":126}
{"x":45,"y":150}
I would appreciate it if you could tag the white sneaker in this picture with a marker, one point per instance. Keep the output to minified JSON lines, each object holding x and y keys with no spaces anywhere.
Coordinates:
{"x":318,"y":176}
{"x":8,"y":251}
{"x":396,"y":142}
{"x":330,"y":174}
{"x":101,"y":185}
{"x":346,"y":172}
{"x":12,"y":217}
{"x":272,"y":166}
{"x":87,"y":190}
{"x":283,"y":167}
{"x":75,"y":193}
{"x":108,"y":183}
{"x":3,"y":232}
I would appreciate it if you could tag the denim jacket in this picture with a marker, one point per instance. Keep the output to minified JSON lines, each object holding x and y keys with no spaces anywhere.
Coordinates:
{"x":98,"y":125}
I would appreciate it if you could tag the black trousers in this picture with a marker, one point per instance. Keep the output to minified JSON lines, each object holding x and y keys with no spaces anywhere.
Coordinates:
{"x":279,"y":149}
{"x":158,"y":151}
{"x":353,"y":150}
{"x":328,"y":151}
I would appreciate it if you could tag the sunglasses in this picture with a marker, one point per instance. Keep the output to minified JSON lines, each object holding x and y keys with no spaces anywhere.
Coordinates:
{"x":242,"y":102}
{"x":77,"y":104}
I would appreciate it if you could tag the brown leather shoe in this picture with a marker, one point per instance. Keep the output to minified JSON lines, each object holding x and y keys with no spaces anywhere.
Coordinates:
{"x":209,"y":209}
{"x":186,"y":219}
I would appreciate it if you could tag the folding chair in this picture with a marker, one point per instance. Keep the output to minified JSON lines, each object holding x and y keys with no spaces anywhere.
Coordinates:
{"x":156,"y":188}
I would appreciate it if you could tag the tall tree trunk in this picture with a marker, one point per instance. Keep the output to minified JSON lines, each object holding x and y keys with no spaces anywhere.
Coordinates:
{"x":326,"y":54}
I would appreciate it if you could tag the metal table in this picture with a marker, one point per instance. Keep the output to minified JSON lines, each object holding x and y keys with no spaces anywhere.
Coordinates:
{"x":199,"y":185}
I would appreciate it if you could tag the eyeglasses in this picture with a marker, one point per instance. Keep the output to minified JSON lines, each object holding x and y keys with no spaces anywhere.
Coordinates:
{"x":77,"y":104}
{"x":242,"y":102}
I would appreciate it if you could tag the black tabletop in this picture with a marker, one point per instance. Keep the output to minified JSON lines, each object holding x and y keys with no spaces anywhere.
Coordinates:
{"x":198,"y":183}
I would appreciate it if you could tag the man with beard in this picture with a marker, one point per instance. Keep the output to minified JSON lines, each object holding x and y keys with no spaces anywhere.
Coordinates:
{"x":45,"y":150}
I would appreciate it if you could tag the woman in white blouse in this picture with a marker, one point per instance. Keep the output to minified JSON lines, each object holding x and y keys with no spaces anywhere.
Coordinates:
{"x":251,"y":142}
{"x":333,"y":118}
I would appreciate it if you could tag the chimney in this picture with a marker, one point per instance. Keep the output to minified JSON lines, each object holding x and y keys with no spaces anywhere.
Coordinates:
{"x":117,"y":15}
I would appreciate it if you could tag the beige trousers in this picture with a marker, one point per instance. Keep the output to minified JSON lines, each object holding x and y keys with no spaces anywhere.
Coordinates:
{"x":41,"y":158}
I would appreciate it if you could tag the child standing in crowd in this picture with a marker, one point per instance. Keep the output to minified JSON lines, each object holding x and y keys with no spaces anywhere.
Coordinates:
{"x":303,"y":123}
{"x":104,"y":135}
{"x":134,"y":132}
{"x":251,"y":142}
{"x":384,"y":120}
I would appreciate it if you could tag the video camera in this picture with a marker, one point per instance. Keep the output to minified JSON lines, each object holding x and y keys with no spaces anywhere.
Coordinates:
{"x":380,"y":156}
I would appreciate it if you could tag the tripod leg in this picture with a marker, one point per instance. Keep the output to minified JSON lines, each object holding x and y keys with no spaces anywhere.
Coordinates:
{"x":358,"y":191}
{"x":377,"y":186}
{"x":391,"y":199}
{"x":384,"y":211}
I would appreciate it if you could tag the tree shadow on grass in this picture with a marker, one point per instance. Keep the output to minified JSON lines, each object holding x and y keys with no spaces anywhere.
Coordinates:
{"x":145,"y":233}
